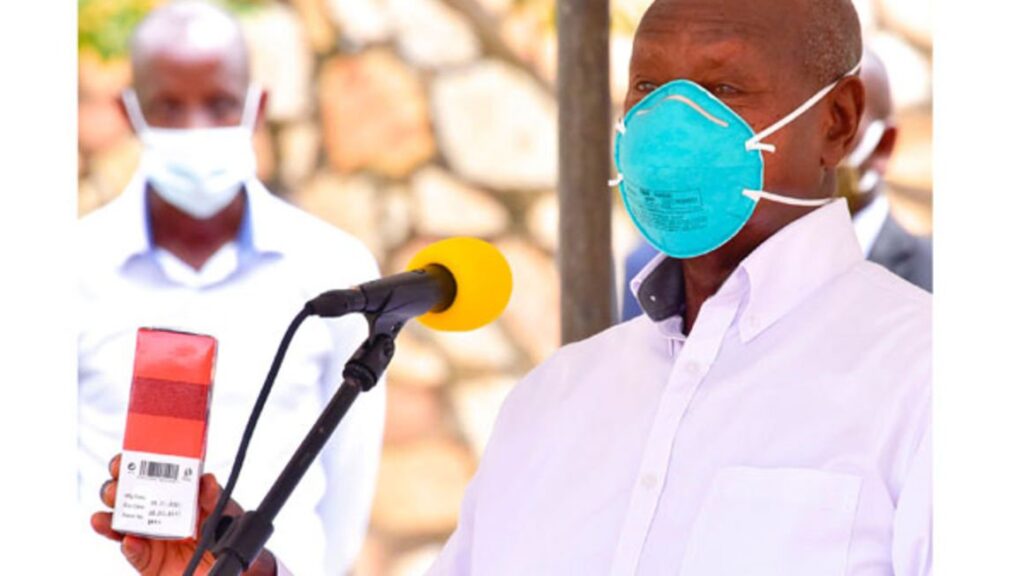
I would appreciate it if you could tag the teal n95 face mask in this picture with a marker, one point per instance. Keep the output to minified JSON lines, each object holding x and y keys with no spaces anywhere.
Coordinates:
{"x":197,"y":170}
{"x":691,"y":170}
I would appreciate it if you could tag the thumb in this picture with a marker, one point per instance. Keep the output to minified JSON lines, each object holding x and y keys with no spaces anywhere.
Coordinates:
{"x":137,"y":552}
{"x":209,"y":492}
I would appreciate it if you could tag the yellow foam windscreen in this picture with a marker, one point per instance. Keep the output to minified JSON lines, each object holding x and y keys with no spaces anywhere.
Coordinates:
{"x":483,"y":282}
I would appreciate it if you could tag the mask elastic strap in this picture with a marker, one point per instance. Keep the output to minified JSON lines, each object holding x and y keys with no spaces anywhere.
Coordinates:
{"x":869,"y":181}
{"x":756,"y":195}
{"x":131,"y":104}
{"x":618,"y":180}
{"x":755,"y":142}
{"x":252,"y":107}
{"x":872,"y":138}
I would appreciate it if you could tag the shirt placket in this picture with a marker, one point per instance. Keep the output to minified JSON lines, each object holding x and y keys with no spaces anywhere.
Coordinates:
{"x":688,"y":372}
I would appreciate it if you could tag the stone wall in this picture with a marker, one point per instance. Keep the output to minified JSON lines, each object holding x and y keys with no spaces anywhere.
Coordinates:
{"x":406,"y":121}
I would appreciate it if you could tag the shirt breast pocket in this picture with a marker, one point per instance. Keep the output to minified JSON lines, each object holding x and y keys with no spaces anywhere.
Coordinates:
{"x":773,"y":522}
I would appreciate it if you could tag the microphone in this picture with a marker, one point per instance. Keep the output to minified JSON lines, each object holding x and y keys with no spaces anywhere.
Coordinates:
{"x":457,"y":284}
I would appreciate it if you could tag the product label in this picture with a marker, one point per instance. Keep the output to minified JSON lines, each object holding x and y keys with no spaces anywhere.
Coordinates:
{"x":157,"y":495}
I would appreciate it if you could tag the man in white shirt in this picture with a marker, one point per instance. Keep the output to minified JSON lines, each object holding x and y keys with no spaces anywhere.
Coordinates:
{"x":770,"y":412}
{"x":197,"y":243}
{"x":769,"y":415}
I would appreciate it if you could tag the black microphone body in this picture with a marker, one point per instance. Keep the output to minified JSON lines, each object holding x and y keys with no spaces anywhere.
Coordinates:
{"x":400,"y":296}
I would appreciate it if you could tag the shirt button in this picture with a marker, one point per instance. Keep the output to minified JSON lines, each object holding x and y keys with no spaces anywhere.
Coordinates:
{"x":649,"y":481}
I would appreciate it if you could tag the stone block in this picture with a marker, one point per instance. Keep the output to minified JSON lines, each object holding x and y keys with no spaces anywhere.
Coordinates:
{"x":418,"y":362}
{"x":316,"y":20}
{"x":362,"y":22}
{"x":483,"y":349}
{"x":413,"y":413}
{"x":374,"y":114}
{"x":542,"y":221}
{"x":532,"y":317}
{"x":112,"y":168}
{"x":299,"y":145}
{"x":447,"y":207}
{"x":496,"y":127}
{"x":432,"y":35}
{"x":281,"y":60}
{"x":420,"y":487}
{"x":350,"y":203}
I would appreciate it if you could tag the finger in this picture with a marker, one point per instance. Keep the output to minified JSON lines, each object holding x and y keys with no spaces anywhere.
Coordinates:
{"x":108,"y":493}
{"x":209,"y":492}
{"x":137,"y":551}
{"x":115,"y":466}
{"x":101,"y":524}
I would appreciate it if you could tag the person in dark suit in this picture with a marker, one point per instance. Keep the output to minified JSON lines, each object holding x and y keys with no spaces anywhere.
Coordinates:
{"x":861,"y":182}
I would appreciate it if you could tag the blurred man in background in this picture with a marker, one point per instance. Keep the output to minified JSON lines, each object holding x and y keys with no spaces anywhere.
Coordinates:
{"x":862,"y":183}
{"x":196,"y":243}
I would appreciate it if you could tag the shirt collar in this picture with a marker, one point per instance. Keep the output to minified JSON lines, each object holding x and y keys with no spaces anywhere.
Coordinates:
{"x":658,"y":288}
{"x":260,"y":232}
{"x":778,"y":275}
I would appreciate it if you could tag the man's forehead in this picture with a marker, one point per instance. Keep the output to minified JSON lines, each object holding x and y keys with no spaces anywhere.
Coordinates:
{"x":739,"y":20}
{"x":198,"y":48}
{"x":166,"y":67}
{"x":726,"y":31}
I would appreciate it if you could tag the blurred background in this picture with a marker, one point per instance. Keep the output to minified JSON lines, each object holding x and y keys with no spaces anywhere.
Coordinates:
{"x":406,"y":121}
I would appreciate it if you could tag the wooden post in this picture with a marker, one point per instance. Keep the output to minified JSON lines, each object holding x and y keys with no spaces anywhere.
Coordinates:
{"x":584,"y":140}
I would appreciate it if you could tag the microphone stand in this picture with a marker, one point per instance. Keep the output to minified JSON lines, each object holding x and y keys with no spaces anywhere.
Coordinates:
{"x":246,"y":536}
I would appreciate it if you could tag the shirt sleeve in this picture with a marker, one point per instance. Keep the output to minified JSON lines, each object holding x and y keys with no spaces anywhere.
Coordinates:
{"x":517,"y":412}
{"x":912,"y":525}
{"x":456,"y":556}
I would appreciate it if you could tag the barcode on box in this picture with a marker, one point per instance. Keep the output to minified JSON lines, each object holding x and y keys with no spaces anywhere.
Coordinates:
{"x":162,"y":470}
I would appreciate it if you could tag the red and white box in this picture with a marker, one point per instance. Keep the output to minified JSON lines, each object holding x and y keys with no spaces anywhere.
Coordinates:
{"x":165,"y":434}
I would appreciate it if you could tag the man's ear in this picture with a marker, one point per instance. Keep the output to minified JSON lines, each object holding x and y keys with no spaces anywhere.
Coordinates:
{"x":846,"y":108}
{"x":879,"y":159}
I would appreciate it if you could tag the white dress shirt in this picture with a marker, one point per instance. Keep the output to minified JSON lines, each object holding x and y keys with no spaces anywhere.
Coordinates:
{"x":786,"y":435}
{"x":244,"y":296}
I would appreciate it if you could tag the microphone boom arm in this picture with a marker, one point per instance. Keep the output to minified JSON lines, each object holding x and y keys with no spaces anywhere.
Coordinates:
{"x":246,"y":536}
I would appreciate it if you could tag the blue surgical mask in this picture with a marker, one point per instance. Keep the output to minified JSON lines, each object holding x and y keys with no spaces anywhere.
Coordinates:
{"x":197,"y":170}
{"x":691,"y":170}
